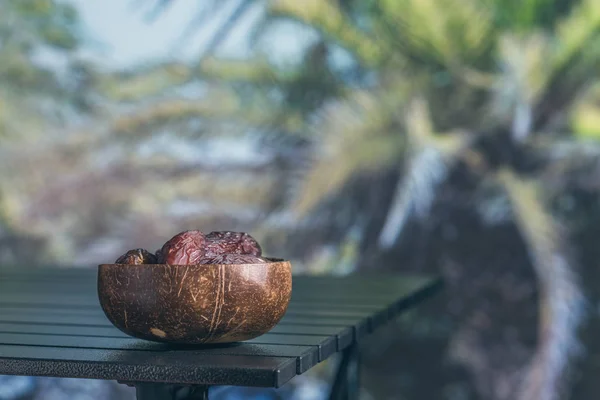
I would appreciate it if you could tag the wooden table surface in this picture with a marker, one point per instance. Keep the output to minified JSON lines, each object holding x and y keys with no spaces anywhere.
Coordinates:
{"x":51,"y":324}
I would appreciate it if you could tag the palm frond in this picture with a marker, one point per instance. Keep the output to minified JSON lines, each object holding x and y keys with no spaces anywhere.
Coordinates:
{"x":10,"y":208}
{"x":20,"y":119}
{"x":146,"y":83}
{"x":426,"y":167}
{"x":561,"y":300}
{"x":359,"y":137}
{"x":584,"y":118}
{"x":209,"y":9}
{"x":223,"y":31}
{"x":159,"y":8}
{"x":202,"y":15}
{"x":524,"y":74}
{"x":326,"y":17}
{"x":575,"y":63}
{"x":415,"y":192}
{"x":154,"y":117}
{"x":576,"y":32}
{"x":251,"y":71}
{"x":451,"y":33}
{"x":221,"y":106}
{"x":585,"y":113}
{"x":522,"y":16}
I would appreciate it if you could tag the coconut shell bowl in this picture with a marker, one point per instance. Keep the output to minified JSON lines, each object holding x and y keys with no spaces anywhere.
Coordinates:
{"x":195,"y":304}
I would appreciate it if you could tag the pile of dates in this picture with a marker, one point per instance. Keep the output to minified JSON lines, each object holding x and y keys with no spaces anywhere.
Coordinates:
{"x":195,"y":247}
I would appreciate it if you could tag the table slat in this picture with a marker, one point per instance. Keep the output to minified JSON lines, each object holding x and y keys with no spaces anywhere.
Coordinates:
{"x":51,"y":323}
{"x":325,"y":345}
{"x":306,"y":356}
{"x":144,"y":366}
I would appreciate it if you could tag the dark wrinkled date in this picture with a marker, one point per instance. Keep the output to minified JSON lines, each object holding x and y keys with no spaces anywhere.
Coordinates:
{"x":184,"y":248}
{"x":137,"y":257}
{"x":231,"y":243}
{"x":233,"y":259}
{"x":194,"y":247}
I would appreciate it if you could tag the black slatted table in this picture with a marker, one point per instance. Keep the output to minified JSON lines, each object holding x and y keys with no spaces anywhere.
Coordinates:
{"x":51,"y":324}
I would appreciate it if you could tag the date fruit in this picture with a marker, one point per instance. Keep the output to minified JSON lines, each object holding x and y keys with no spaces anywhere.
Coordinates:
{"x":185,"y":248}
{"x":233,"y":259}
{"x":225,"y":242}
{"x":137,"y":257}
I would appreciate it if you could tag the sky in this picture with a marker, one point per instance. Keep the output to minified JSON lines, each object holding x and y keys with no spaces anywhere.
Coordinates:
{"x":126,"y":36}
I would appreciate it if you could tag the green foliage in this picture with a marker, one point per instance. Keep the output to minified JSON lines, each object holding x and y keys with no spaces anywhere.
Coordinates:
{"x":26,"y":28}
{"x":509,"y":69}
{"x":146,"y":83}
{"x":32,"y":96}
{"x":53,"y":23}
{"x":360,"y":135}
{"x":257,"y":71}
{"x":521,"y":53}
{"x":331,"y":21}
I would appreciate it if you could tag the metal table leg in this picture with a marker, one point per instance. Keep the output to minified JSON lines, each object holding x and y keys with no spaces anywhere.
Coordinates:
{"x":347,"y":380}
{"x":164,"y":391}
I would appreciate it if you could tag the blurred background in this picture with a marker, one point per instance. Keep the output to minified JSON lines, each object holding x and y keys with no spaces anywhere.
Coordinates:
{"x":452,"y":137}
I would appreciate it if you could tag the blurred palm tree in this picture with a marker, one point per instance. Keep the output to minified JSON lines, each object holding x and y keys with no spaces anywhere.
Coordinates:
{"x":501,"y":90}
{"x":486,"y":86}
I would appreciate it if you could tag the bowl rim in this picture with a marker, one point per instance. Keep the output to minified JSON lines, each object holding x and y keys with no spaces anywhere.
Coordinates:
{"x":271,"y":261}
